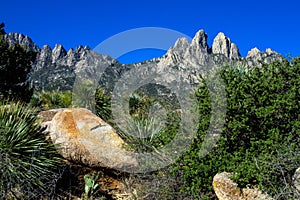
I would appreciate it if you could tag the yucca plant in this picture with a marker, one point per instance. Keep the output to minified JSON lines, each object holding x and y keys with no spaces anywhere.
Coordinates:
{"x":141,"y":135}
{"x":29,"y":164}
{"x":150,"y":125}
{"x":103,"y":104}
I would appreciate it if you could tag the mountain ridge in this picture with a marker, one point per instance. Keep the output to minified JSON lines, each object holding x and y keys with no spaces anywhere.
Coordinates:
{"x":57,"y":68}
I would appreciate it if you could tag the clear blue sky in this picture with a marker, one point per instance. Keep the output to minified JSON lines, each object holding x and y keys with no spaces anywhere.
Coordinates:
{"x":249,"y":23}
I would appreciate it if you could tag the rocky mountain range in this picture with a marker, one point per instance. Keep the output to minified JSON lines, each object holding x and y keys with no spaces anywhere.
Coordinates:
{"x":57,"y":69}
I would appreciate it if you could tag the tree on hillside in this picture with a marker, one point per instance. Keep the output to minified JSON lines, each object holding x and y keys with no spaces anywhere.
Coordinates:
{"x":2,"y":32}
{"x":15,"y":65}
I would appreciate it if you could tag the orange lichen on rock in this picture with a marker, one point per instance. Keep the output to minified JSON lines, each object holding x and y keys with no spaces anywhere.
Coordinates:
{"x":68,"y":123}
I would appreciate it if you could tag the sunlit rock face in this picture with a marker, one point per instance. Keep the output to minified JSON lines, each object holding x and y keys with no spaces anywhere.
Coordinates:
{"x":84,"y":138}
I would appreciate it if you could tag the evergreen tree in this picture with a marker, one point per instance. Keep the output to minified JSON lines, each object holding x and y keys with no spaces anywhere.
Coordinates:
{"x":2,"y":32}
{"x":15,"y":65}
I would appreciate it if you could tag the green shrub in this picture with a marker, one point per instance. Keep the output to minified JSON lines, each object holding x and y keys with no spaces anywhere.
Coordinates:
{"x":50,"y":100}
{"x":260,"y":141}
{"x":29,"y":164}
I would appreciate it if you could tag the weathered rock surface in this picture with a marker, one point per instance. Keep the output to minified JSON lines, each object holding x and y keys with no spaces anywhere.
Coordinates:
{"x":200,"y":41}
{"x":226,"y":189}
{"x":84,"y":138}
{"x":223,"y":45}
{"x":47,"y":115}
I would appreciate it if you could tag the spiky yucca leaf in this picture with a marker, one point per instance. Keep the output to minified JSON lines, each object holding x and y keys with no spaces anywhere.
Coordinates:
{"x":28,"y":163}
{"x":103,"y":104}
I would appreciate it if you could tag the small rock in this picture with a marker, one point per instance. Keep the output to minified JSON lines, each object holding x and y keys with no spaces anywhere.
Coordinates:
{"x":296,"y":179}
{"x":226,"y":189}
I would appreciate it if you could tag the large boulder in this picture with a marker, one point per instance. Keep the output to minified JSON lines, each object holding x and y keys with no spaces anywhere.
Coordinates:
{"x":226,"y":189}
{"x":84,"y":138}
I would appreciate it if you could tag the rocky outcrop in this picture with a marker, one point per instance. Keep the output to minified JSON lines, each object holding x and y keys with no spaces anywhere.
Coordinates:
{"x":192,"y":58}
{"x":183,"y":51}
{"x":45,"y":57}
{"x":223,"y":45}
{"x":226,"y":189}
{"x":57,"y":68}
{"x":17,"y":38}
{"x":176,"y":53}
{"x":84,"y":138}
{"x":255,"y":57}
{"x":200,"y":41}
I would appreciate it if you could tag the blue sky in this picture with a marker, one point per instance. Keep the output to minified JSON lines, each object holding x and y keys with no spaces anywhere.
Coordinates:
{"x":262,"y":24}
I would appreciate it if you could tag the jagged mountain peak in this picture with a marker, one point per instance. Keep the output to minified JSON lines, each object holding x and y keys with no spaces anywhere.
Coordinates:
{"x":198,"y":49}
{"x":59,"y":47}
{"x":254,"y":51}
{"x":79,"y":48}
{"x":70,"y":51}
{"x":58,"y":52}
{"x":176,"y":53}
{"x":86,"y":47}
{"x":18,"y":38}
{"x":58,"y":67}
{"x":46,"y":47}
{"x":200,"y":40}
{"x":223,"y":45}
{"x":181,"y":43}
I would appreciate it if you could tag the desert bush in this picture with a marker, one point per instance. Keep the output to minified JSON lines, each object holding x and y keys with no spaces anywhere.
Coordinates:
{"x":49,"y":100}
{"x":260,"y":138}
{"x":29,"y":164}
